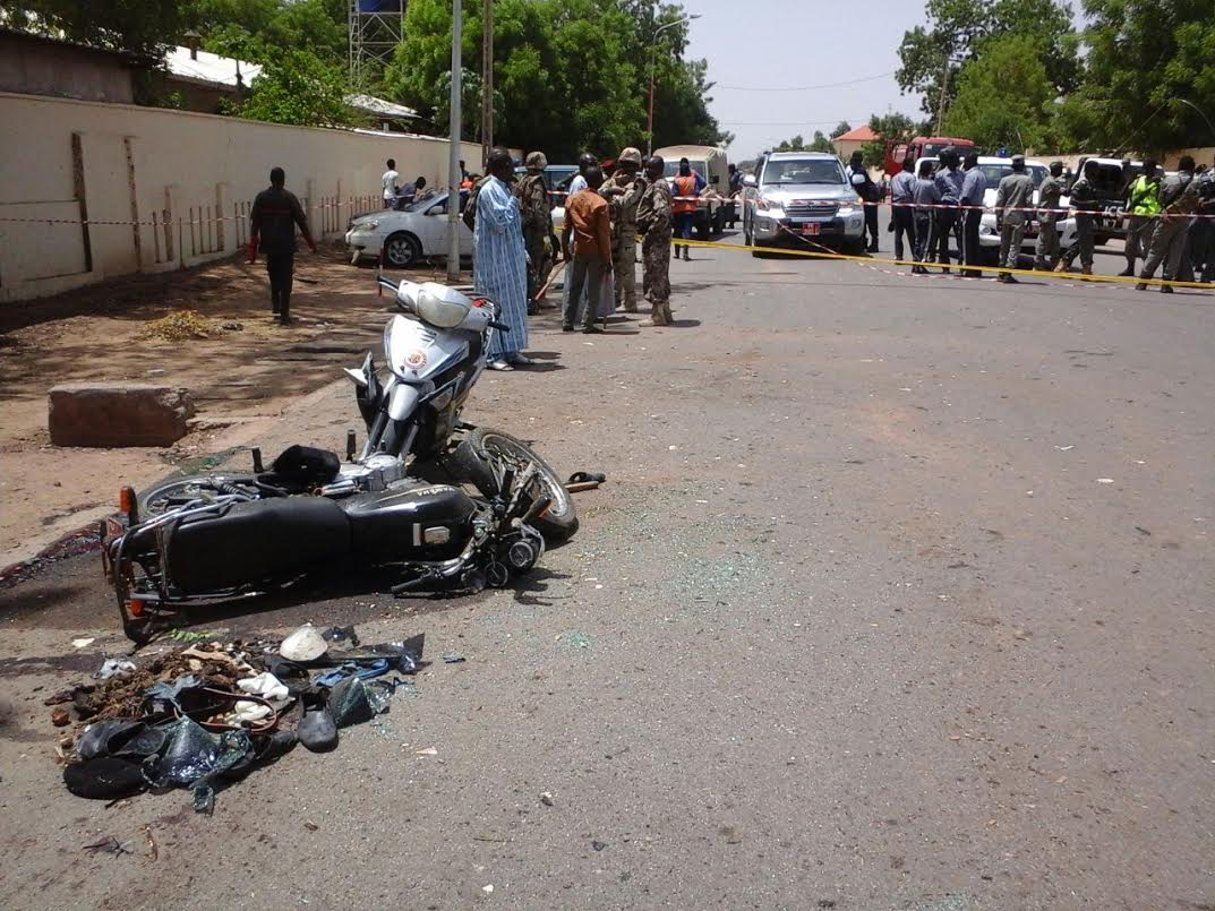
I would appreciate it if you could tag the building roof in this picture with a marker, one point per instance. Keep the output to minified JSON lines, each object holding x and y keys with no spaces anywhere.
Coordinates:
{"x":203,"y":66}
{"x":859,"y":134}
{"x":380,"y":107}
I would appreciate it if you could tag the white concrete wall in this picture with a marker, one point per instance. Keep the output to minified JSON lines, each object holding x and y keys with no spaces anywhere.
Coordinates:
{"x":164,"y":189}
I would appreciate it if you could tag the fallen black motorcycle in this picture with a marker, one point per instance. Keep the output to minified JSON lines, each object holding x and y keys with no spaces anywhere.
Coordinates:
{"x":445,"y":505}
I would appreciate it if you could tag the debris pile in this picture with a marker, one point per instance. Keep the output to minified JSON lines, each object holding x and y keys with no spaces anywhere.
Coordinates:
{"x":205,"y":716}
{"x":179,"y":326}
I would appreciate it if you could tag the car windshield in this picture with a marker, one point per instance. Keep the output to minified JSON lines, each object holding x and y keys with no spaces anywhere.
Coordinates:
{"x":804,"y":170}
{"x":997,"y":172}
{"x":672,"y":168}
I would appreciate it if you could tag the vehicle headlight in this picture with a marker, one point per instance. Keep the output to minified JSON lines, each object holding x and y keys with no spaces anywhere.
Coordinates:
{"x":768,"y":205}
{"x":845,"y":211}
{"x":368,"y":226}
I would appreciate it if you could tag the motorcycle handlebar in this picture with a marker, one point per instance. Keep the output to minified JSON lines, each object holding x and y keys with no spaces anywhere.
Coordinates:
{"x":501,"y":327}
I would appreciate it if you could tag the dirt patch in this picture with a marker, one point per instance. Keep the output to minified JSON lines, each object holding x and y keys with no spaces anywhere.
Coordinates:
{"x":242,"y":371}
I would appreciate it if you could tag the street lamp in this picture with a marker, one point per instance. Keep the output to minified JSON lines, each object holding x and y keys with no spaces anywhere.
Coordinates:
{"x":649,"y":147}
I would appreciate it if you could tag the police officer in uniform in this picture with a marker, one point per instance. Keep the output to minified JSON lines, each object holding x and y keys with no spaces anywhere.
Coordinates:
{"x":654,"y":217}
{"x":623,"y":193}
{"x":1046,"y":251}
{"x":1013,"y":198}
{"x":532,"y":191}
{"x":1178,"y":201}
{"x":949,"y":184}
{"x":974,"y":186}
{"x":1143,"y":204}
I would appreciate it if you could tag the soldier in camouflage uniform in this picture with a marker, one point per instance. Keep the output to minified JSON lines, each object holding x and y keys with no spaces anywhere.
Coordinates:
{"x":623,"y":193}
{"x":654,"y":218}
{"x":532,"y":191}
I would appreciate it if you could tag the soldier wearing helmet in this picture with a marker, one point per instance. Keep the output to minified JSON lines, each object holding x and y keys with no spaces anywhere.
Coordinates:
{"x":534,"y":208}
{"x":623,"y":193}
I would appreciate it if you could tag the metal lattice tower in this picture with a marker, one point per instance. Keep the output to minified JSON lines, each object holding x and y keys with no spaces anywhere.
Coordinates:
{"x":376,"y":27}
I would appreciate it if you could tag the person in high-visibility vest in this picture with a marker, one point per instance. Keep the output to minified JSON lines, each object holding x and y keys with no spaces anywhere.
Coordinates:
{"x":1143,"y":204}
{"x":687,"y":187}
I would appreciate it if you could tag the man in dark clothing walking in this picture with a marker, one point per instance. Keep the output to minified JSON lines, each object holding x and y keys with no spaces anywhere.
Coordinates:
{"x":276,"y":212}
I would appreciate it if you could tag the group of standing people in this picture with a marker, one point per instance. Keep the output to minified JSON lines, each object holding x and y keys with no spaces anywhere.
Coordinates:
{"x":1172,"y":224}
{"x":512,"y":224}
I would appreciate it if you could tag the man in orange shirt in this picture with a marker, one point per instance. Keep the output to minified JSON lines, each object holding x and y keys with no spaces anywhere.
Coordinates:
{"x":685,"y":188}
{"x":586,"y":217}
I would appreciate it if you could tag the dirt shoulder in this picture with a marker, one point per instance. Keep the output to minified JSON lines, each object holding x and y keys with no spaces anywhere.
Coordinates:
{"x":243,"y":372}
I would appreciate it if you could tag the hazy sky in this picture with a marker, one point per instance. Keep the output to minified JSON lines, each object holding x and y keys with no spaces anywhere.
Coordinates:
{"x":781,"y":44}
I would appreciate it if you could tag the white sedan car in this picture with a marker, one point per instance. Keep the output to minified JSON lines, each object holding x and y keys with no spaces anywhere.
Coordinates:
{"x":406,"y":238}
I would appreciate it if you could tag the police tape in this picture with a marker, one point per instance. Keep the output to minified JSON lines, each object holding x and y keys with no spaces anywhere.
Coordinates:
{"x":196,"y":215}
{"x":826,"y":253}
{"x":1107,"y":213}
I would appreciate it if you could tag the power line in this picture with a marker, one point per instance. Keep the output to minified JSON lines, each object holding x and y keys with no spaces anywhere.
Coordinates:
{"x":788,"y":123}
{"x":800,"y":88}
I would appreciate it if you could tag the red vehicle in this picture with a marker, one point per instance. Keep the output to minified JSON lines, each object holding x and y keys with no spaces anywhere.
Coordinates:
{"x":920,"y":147}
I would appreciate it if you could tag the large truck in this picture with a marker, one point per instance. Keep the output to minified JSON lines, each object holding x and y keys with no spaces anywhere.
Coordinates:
{"x":920,"y":147}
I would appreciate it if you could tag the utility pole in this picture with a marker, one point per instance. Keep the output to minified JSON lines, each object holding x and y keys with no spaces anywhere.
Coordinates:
{"x":453,"y":157}
{"x":944,"y":90}
{"x":487,"y":80}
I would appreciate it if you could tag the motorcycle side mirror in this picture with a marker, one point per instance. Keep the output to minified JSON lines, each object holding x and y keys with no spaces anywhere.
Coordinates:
{"x":407,"y":296}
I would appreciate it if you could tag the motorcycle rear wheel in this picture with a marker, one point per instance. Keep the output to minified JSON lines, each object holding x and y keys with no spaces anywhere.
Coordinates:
{"x":182,"y":491}
{"x":480,"y":459}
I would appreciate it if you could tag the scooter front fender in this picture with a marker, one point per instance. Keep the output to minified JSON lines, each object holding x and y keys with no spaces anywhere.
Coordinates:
{"x":402,"y":401}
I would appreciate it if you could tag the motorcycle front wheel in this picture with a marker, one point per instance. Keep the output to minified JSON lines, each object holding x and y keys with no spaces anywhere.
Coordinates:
{"x":481,"y":459}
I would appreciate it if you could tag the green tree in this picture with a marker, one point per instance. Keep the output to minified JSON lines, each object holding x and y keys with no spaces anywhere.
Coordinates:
{"x":297,"y":87}
{"x":1004,"y":97}
{"x":931,"y":56}
{"x":841,"y":128}
{"x":556,"y":95}
{"x":796,"y":144}
{"x":821,"y":143}
{"x":258,"y":30}
{"x":889,"y":128}
{"x":1148,"y":66}
{"x":139,"y":26}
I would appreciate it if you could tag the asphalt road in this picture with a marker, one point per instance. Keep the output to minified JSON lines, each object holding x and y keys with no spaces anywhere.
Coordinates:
{"x":898,"y":597}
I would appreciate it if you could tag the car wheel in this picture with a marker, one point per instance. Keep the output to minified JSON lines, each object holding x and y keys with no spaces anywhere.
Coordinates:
{"x":402,"y":250}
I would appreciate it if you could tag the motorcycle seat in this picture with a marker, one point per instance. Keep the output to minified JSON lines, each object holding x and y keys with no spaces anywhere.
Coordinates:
{"x":256,"y":540}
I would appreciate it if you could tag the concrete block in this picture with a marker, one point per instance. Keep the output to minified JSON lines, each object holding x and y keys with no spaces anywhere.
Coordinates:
{"x":109,"y":415}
